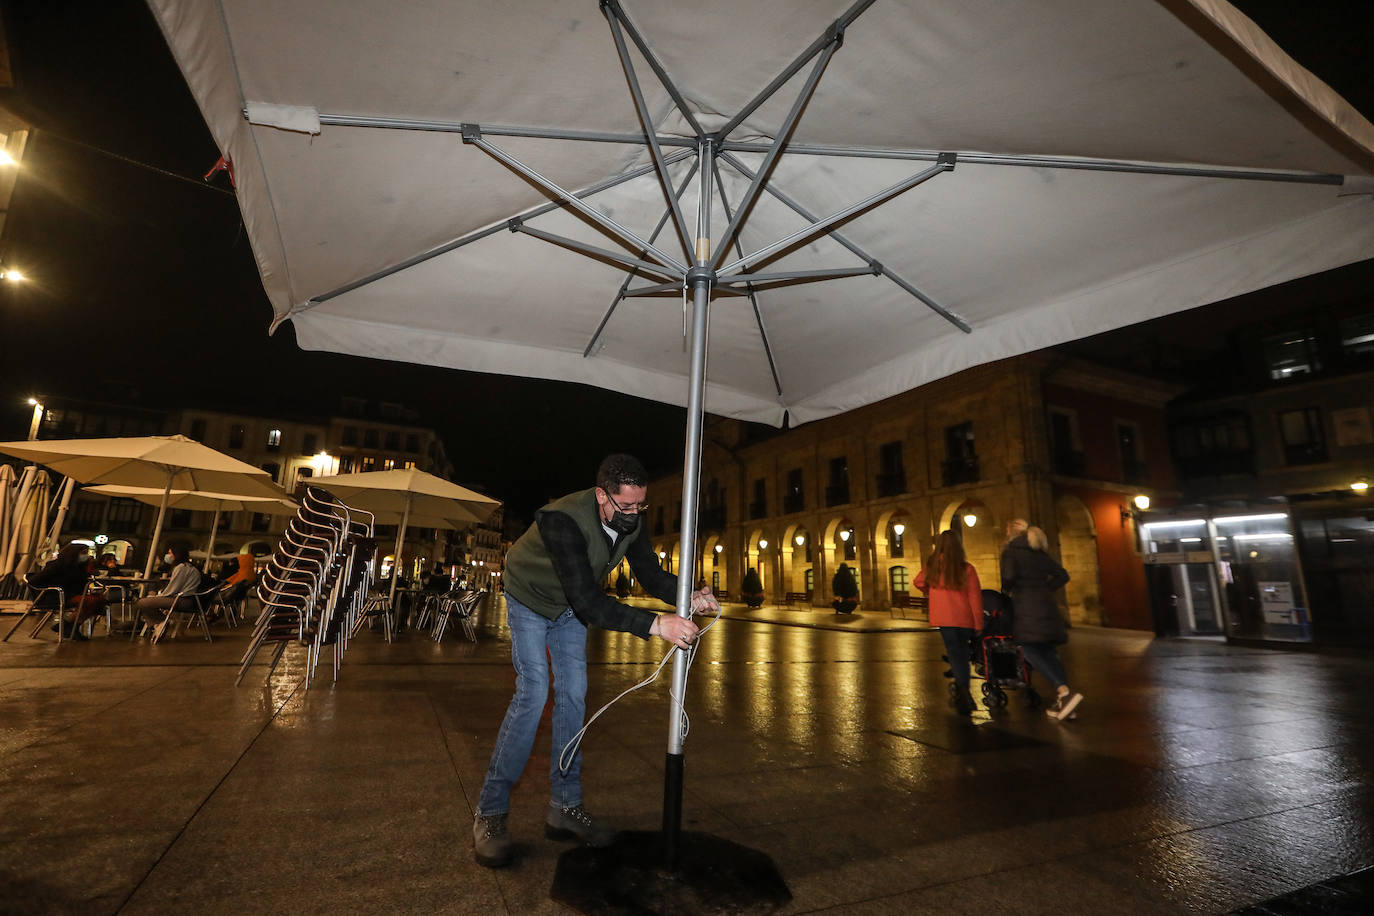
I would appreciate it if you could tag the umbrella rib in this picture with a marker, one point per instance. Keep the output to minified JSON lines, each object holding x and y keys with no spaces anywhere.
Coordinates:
{"x":663,"y":221}
{"x":591,"y":251}
{"x":650,"y":134}
{"x":801,"y":211}
{"x":775,"y":150}
{"x":753,"y":298}
{"x":1044,"y":162}
{"x":789,"y":277}
{"x":613,"y":7}
{"x":833,"y":35}
{"x":945,"y":164}
{"x":496,"y":130}
{"x":604,"y":185}
{"x":473,"y":134}
{"x":662,"y":289}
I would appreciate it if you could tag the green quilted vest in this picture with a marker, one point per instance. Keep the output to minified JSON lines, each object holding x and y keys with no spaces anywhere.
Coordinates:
{"x":529,"y":575}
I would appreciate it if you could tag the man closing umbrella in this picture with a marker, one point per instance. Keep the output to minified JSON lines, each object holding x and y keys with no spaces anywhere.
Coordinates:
{"x":553,"y":576}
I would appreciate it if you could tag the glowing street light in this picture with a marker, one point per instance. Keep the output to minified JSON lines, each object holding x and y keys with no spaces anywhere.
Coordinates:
{"x":37,"y":418}
{"x":7,"y":159}
{"x":1360,"y":485}
{"x":970,"y":520}
{"x":10,"y":274}
{"x":800,"y":539}
{"x":844,"y":534}
{"x":1142,"y":502}
{"x":719,"y":548}
{"x":763,"y":543}
{"x":898,"y":529}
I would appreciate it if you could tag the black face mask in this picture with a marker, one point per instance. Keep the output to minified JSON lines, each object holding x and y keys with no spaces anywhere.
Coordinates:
{"x":623,"y":522}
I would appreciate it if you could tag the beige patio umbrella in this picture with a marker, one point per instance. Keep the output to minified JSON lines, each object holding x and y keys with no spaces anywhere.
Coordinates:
{"x":410,"y":496}
{"x":163,"y":462}
{"x":203,"y":501}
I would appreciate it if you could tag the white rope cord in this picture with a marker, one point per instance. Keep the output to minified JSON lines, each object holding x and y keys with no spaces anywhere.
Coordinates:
{"x":565,"y":759}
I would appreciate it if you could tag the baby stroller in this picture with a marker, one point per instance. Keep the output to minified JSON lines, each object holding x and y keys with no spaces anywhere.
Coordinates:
{"x":996,"y":656}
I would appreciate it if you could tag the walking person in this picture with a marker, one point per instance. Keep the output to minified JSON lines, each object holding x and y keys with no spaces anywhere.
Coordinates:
{"x":1031,"y":577}
{"x":956,"y":606}
{"x":552,"y":581}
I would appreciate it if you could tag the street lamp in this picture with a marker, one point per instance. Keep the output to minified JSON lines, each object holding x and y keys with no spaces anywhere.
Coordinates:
{"x":1360,"y":485}
{"x":763,"y":543}
{"x":970,"y":519}
{"x":1139,"y":503}
{"x":719,"y":548}
{"x":844,"y":534}
{"x":898,"y":529}
{"x":37,"y":418}
{"x":800,"y":539}
{"x":10,"y":274}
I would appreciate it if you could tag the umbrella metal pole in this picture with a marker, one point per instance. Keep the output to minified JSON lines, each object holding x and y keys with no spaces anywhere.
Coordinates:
{"x":214,"y":529}
{"x":400,"y":542}
{"x":55,"y":534}
{"x":701,"y":277}
{"x":157,"y":529}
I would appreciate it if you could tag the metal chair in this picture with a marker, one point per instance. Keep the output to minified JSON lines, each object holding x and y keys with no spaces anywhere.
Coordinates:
{"x":30,"y":605}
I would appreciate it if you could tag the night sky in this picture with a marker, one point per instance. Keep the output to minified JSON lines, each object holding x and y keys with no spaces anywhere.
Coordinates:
{"x":142,"y":278}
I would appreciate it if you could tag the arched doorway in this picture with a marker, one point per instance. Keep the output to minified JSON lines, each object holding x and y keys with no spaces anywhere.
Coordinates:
{"x":759,"y":556}
{"x":897,"y":549}
{"x":982,"y":536}
{"x":712,"y":567}
{"x":798,"y":551}
{"x":1078,"y":553}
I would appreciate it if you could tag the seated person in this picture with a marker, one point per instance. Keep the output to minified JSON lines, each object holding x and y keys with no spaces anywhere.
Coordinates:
{"x":243,"y":570}
{"x":185,"y":579}
{"x":435,"y":581}
{"x":69,"y":571}
{"x":109,"y":565}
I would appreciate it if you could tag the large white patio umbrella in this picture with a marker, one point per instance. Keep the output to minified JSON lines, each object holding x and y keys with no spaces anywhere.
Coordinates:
{"x":409,"y":496}
{"x":202,"y":501}
{"x":864,"y":196}
{"x":165,"y":463}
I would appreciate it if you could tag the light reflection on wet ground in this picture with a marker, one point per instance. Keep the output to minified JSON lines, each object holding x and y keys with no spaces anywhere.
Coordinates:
{"x":1199,"y":777}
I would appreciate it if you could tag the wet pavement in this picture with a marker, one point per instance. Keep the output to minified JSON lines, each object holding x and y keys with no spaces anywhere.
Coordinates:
{"x":1198,"y":778}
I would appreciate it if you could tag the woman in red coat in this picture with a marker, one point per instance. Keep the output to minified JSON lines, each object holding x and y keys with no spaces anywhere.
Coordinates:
{"x":956,"y":607}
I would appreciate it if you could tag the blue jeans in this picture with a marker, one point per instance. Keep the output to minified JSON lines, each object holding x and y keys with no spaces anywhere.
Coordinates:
{"x":956,"y":650}
{"x":1044,"y":657}
{"x":534,"y":640}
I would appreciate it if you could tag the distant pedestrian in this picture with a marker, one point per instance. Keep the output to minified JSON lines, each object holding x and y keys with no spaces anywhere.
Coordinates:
{"x":1031,"y":577}
{"x":956,"y":607}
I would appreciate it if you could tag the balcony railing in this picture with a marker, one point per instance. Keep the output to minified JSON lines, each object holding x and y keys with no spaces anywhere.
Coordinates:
{"x":793,"y":502}
{"x":758,"y":508}
{"x":837,"y":496}
{"x":1218,"y":464}
{"x":1308,"y":453}
{"x":959,"y":470}
{"x":712,"y":518}
{"x":892,"y":484}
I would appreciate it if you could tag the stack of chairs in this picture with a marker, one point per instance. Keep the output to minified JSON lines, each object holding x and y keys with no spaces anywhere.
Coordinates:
{"x":461,"y":603}
{"x":315,"y":583}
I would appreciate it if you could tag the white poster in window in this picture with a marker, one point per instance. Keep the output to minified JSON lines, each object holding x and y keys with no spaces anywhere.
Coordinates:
{"x":1352,"y":426}
{"x":1276,"y":602}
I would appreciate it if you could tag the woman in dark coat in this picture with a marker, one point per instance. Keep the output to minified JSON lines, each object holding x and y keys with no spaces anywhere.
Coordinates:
{"x":1031,"y":576}
{"x":69,"y":571}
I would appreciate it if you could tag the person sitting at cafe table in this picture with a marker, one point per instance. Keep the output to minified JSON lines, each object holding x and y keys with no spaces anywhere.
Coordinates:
{"x":108,"y":565}
{"x":69,"y":571}
{"x":184,"y":580}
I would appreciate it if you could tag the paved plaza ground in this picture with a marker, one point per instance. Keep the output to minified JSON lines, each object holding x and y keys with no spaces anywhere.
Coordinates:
{"x":1200,"y":777}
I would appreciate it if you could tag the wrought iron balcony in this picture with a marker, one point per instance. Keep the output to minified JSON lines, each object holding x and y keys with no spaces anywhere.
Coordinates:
{"x":960,"y":470}
{"x":892,"y":484}
{"x":1070,"y":464}
{"x":837,"y":496}
{"x":758,"y":508}
{"x":793,"y":502}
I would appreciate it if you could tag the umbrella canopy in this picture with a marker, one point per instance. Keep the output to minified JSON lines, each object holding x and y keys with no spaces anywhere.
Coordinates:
{"x":164,"y":462}
{"x":203,"y":501}
{"x":1106,"y":162}
{"x":410,"y":497}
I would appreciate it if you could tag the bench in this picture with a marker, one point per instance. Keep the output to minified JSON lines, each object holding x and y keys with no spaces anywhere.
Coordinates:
{"x":905,"y":601}
{"x":795,"y":597}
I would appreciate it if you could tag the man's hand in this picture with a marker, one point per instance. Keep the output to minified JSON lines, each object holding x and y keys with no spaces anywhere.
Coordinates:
{"x":703,"y":602}
{"x":674,"y":629}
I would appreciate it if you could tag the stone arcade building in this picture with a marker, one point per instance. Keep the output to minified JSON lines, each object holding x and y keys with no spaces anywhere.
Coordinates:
{"x":1060,"y":441}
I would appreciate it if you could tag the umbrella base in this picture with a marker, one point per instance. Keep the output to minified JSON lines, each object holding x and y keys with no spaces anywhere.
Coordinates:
{"x":713,"y":875}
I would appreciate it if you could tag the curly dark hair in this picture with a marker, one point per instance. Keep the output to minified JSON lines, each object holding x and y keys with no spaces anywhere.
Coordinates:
{"x":620,"y":470}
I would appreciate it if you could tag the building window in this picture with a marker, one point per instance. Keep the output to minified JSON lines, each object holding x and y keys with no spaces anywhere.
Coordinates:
{"x":124,"y":516}
{"x":900,"y":583}
{"x":892,"y":473}
{"x":393,"y":440}
{"x":345,"y":464}
{"x":412,"y":443}
{"x":368,"y":464}
{"x":309,"y":443}
{"x":837,"y":491}
{"x":961,"y":456}
{"x":350,"y":435}
{"x":1066,"y":449}
{"x":758,"y":506}
{"x":1127,"y":441}
{"x":1214,"y":446}
{"x":272,"y":468}
{"x":198,"y":429}
{"x":236,"y":434}
{"x":1357,"y":336}
{"x":260,"y":522}
{"x":388,"y":464}
{"x":1303,"y":440}
{"x":370,"y":438}
{"x":1287,"y":355}
{"x":273,"y":440}
{"x":409,"y":465}
{"x":794,"y":499}
{"x":87,"y":514}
